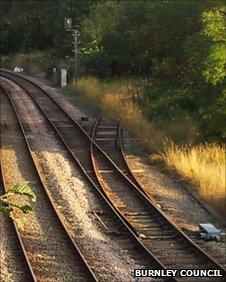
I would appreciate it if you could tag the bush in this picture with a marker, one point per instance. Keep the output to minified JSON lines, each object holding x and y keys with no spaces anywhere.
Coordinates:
{"x":36,"y":63}
{"x":122,"y":99}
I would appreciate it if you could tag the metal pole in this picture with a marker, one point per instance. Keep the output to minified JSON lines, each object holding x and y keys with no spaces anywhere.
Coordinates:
{"x":75,"y":34}
{"x":76,"y":55}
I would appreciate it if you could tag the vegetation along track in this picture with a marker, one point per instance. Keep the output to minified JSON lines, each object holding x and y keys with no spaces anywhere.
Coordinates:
{"x":173,"y":248}
{"x":27,"y":273}
{"x":61,"y":247}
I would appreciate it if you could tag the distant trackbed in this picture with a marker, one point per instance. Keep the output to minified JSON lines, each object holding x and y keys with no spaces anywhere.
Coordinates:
{"x":167,"y":246}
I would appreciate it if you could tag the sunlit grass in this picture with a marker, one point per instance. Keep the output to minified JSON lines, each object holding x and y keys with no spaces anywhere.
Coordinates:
{"x":117,"y":99}
{"x":204,"y":165}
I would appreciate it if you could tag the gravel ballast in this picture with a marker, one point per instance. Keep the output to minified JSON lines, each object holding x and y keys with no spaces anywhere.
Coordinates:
{"x":177,"y":204}
{"x":75,"y":200}
{"x":47,"y":246}
{"x":172,"y":197}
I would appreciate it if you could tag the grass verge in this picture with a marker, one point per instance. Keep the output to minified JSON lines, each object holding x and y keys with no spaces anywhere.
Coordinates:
{"x":118,"y":99}
{"x":204,"y":166}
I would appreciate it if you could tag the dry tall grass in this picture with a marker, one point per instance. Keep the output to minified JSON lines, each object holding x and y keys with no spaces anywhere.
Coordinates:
{"x":116,"y":99}
{"x":204,"y":165}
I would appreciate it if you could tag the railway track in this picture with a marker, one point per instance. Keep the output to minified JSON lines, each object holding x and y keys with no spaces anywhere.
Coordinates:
{"x":162,"y":238}
{"x":78,"y":268}
{"x":27,"y":272}
{"x":108,"y":135}
{"x":169,"y":244}
{"x":109,"y":219}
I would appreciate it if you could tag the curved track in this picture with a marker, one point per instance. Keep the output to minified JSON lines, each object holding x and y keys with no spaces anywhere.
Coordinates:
{"x":66,"y":129}
{"x":109,"y":137}
{"x":162,"y":238}
{"x":169,"y":244}
{"x":81,"y":271}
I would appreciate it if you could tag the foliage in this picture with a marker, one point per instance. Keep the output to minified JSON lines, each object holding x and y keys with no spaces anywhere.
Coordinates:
{"x":215,"y":31}
{"x":36,"y":63}
{"x":16,"y":211}
{"x":119,"y":99}
{"x":204,"y":165}
{"x":177,"y":46}
{"x":39,"y":25}
{"x":166,"y":101}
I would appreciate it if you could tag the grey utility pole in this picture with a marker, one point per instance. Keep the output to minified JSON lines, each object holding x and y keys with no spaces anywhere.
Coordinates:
{"x":75,"y":32}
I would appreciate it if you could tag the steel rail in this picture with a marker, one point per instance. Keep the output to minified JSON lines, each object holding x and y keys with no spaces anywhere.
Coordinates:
{"x":23,"y":249}
{"x":135,"y":181}
{"x":121,"y":151}
{"x":119,"y":147}
{"x":127,"y":225}
{"x":96,"y":170}
{"x":89,"y":271}
{"x":144,"y":197}
{"x":128,"y":171}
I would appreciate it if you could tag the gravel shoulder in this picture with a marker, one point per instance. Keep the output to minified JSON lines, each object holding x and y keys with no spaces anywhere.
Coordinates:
{"x":51,"y":256}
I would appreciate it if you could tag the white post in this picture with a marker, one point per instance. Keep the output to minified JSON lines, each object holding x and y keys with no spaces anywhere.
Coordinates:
{"x":63,"y":77}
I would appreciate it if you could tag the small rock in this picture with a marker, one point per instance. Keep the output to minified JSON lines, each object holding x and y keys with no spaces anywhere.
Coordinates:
{"x":159,"y":206}
{"x":142,"y":236}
